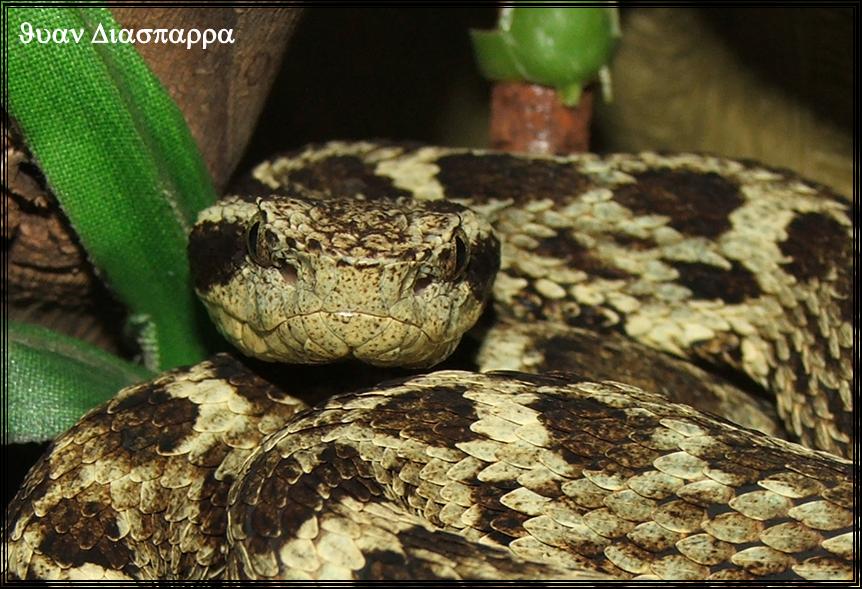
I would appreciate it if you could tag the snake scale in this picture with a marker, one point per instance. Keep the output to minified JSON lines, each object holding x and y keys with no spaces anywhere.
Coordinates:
{"x":639,"y":300}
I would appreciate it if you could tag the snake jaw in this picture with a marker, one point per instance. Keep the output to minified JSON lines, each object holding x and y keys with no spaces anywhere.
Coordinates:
{"x":314,"y":338}
{"x":304,"y":280}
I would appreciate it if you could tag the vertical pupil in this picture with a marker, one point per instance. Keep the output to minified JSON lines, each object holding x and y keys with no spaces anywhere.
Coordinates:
{"x":460,"y":255}
{"x":252,"y":238}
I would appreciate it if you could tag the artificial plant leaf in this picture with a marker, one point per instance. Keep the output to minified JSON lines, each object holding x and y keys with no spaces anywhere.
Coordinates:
{"x":117,"y":153}
{"x":54,"y":379}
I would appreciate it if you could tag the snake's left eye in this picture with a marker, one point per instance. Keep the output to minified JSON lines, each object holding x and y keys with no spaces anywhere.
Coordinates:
{"x":462,"y":256}
{"x":253,"y":245}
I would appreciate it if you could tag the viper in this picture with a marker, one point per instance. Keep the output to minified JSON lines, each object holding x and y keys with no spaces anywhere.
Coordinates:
{"x":659,"y":323}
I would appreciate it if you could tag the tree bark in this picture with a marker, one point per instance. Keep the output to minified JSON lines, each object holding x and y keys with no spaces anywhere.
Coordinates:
{"x":221,"y":89}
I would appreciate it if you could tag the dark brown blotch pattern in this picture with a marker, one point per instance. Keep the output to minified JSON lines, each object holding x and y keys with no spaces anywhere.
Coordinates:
{"x":815,"y":245}
{"x":469,"y":560}
{"x":574,"y":255}
{"x":418,"y":413}
{"x":255,"y":386}
{"x":610,"y":356}
{"x":696,"y":203}
{"x":708,"y":282}
{"x":483,"y":266}
{"x":818,"y":248}
{"x":83,"y":535}
{"x":345,"y":176}
{"x":503,"y":176}
{"x":217,"y":251}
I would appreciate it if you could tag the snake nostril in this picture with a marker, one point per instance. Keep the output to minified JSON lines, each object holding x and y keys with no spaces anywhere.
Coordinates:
{"x":289,"y":273}
{"x":421,"y":284}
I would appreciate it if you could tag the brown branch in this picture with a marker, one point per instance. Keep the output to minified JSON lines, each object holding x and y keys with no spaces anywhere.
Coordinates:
{"x":530,"y":118}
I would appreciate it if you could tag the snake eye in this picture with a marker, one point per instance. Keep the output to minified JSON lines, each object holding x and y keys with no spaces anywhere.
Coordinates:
{"x":253,"y":245}
{"x":462,"y":256}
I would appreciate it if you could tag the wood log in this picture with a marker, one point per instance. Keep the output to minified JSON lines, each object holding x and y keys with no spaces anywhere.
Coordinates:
{"x":221,"y":89}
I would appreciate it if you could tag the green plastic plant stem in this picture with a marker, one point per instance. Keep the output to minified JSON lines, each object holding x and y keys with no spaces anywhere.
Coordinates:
{"x":54,"y":379}
{"x":118,"y":154}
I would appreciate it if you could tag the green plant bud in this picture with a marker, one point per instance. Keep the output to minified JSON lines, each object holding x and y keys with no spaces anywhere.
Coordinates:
{"x":564,"y":48}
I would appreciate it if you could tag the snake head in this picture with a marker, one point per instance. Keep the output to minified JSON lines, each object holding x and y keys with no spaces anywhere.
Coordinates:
{"x":303,"y":279}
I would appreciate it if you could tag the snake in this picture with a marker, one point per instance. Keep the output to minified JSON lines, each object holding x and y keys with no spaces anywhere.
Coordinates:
{"x":661,"y":387}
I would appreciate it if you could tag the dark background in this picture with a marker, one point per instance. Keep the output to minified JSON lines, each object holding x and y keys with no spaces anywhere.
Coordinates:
{"x":362,"y":73}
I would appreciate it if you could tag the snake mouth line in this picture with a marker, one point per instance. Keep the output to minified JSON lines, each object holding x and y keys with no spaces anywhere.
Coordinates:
{"x":280,"y":324}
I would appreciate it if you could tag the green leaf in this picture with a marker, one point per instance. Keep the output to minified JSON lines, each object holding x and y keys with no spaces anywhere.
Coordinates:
{"x":118,"y":154}
{"x":54,"y":379}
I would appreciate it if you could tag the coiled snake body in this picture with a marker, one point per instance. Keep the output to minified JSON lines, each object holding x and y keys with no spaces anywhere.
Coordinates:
{"x":688,"y":278}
